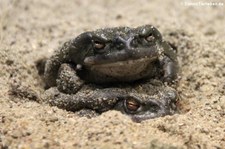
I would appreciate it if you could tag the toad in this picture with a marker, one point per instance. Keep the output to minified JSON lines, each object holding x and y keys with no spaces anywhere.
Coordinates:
{"x":111,"y":56}
{"x":140,"y":101}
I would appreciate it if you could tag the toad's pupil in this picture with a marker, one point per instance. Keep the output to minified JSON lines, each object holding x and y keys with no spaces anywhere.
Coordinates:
{"x":99,"y":45}
{"x":132,"y":105}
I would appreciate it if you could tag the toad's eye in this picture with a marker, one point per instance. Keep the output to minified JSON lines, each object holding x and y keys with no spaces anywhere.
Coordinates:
{"x":150,"y":37}
{"x":132,"y":105}
{"x":98,"y":45}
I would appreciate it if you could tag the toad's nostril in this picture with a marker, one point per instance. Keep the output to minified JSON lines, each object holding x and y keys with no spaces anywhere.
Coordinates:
{"x":119,"y":43}
{"x":124,"y":43}
{"x":129,"y":42}
{"x":119,"y":39}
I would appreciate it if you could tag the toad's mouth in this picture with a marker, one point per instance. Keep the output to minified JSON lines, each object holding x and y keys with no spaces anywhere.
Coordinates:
{"x":127,"y":70}
{"x":125,"y":65}
{"x":124,"y":56}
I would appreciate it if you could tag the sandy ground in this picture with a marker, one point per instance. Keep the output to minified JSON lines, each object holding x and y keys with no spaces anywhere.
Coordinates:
{"x":30,"y":30}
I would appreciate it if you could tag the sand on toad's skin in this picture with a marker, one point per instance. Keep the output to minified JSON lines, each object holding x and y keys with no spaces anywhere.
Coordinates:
{"x":32,"y":30}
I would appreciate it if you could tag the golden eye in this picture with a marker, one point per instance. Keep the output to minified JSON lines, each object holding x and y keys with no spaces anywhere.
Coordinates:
{"x":98,"y":45}
{"x":150,"y":37}
{"x":132,"y":105}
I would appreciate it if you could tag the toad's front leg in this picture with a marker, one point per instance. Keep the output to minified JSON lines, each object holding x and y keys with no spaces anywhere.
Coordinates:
{"x":169,"y":63}
{"x":99,"y":100}
{"x":67,"y":80}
